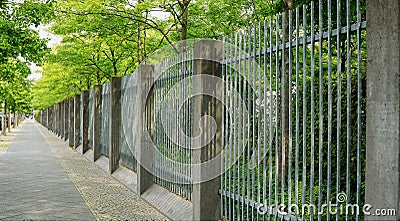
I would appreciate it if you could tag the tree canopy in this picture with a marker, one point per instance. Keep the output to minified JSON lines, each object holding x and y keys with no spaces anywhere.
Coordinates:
{"x":108,"y":38}
{"x":20,"y":45}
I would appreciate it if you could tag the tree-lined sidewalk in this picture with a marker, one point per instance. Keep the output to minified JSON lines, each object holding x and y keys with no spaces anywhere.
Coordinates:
{"x":42,"y":179}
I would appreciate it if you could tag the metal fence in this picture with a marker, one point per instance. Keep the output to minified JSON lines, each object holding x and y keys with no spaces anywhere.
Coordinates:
{"x":293,"y":119}
{"x":129,"y":114}
{"x":294,"y":124}
{"x":105,"y":118}
{"x":91,"y":103}
{"x":172,"y":160}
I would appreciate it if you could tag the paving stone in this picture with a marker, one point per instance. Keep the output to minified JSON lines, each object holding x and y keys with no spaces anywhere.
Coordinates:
{"x":41,"y":178}
{"x":107,"y":198}
{"x":32,"y":181}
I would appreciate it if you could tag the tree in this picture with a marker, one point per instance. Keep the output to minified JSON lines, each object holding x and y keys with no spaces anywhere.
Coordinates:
{"x":20,"y":44}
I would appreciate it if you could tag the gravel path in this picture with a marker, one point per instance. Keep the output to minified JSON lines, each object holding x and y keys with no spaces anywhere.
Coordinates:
{"x":106,"y":197}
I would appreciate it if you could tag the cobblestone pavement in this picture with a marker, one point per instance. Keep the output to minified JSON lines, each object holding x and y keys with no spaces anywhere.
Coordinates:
{"x":106,"y":197}
{"x":33,"y":185}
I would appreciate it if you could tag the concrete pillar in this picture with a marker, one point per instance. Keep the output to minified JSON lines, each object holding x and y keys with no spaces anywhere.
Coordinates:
{"x":51,"y":118}
{"x":77,"y":120}
{"x":145,"y":150}
{"x":56,"y":112}
{"x":97,"y":122}
{"x":71,"y":128}
{"x":206,"y":155}
{"x":115,"y":123}
{"x":66,"y":119}
{"x":85,"y":121}
{"x":59,"y":121}
{"x":55,"y":119}
{"x":63,"y":120}
{"x":382,"y":188}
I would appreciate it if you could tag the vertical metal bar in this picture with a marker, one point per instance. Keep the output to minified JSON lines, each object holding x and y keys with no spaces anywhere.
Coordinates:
{"x":304,"y":179}
{"x":176,"y":149}
{"x":358,"y":104}
{"x":339,"y":103}
{"x":244,"y":171}
{"x":254,"y":97}
{"x":170,"y":102}
{"x":296,"y":176}
{"x":328,"y":194}
{"x":320,"y":108}
{"x":181,"y":126}
{"x":248,"y":184}
{"x":159,"y":162}
{"x":235,"y":128}
{"x":178,"y":126}
{"x":231,"y":200}
{"x":191,"y":121}
{"x":223,"y":130}
{"x":259,"y":151}
{"x":168,"y":149}
{"x":223,"y":161}
{"x":312,"y":112}
{"x":265,"y":115}
{"x":283,"y":111}
{"x":176,"y":152}
{"x":270,"y":117}
{"x":290,"y":112}
{"x":276,"y":111}
{"x":240,"y":133}
{"x":348,"y":93}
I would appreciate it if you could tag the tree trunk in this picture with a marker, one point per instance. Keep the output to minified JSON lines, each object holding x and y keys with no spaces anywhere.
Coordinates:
{"x":3,"y":120}
{"x":9,"y":120}
{"x":184,"y":19}
{"x":184,"y":23}
{"x":139,"y":41}
{"x":14,"y":120}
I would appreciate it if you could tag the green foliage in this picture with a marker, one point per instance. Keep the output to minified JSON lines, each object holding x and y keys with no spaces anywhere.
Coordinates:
{"x":19,"y":45}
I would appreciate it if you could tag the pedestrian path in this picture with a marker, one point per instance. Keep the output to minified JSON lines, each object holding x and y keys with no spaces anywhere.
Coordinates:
{"x":33,"y":185}
{"x":42,"y":179}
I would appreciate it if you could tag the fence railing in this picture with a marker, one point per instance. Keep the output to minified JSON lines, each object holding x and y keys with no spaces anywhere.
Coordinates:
{"x":175,"y":177}
{"x":290,"y":115}
{"x":295,"y":126}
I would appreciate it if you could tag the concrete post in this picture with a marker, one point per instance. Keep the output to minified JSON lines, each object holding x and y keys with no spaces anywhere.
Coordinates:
{"x":61,"y":120}
{"x":77,"y":120}
{"x":51,"y":118}
{"x":97,"y":122}
{"x":382,"y":189}
{"x":115,"y":122}
{"x":71,"y":122}
{"x":66,"y":119}
{"x":85,"y":121}
{"x":206,"y":155}
{"x":47,"y":118}
{"x":55,"y":119}
{"x":145,"y":150}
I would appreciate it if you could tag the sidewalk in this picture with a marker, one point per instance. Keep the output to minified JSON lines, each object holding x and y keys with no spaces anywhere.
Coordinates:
{"x":42,"y":179}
